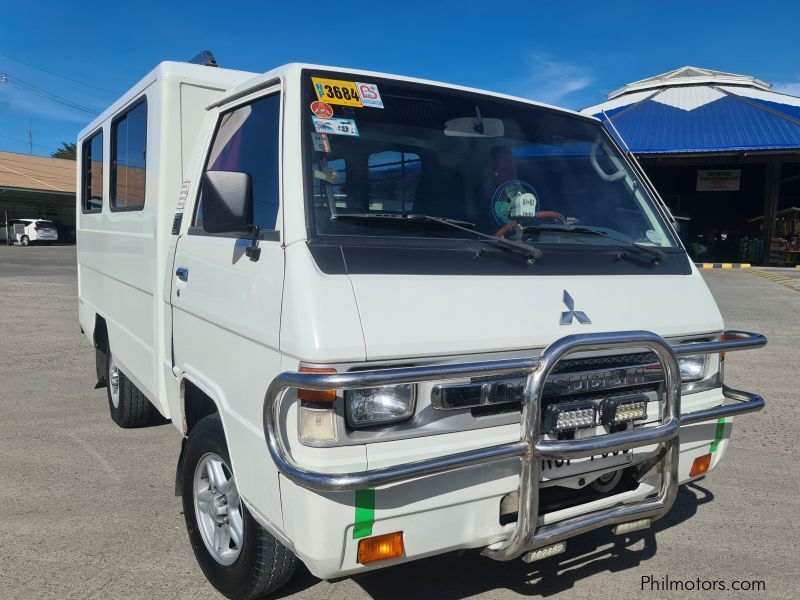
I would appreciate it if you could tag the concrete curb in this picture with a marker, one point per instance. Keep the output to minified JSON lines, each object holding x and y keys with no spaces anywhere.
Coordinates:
{"x":722,"y":265}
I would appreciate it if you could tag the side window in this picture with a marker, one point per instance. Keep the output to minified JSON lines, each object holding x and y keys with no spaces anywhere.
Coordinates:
{"x":393,"y":180}
{"x":129,"y":158}
{"x":248,"y":140}
{"x":92,"y":175}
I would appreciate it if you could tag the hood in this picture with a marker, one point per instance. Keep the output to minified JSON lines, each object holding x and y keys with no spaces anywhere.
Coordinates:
{"x":415,"y":316}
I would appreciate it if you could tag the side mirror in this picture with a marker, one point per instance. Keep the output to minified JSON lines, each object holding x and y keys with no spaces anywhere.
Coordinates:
{"x":227,"y":201}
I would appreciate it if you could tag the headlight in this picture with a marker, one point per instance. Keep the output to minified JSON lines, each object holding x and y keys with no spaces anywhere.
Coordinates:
{"x":379,"y":405}
{"x":692,"y":367}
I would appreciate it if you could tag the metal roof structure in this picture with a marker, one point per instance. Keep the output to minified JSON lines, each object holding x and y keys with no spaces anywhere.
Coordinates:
{"x":25,"y":172}
{"x":694,"y":110}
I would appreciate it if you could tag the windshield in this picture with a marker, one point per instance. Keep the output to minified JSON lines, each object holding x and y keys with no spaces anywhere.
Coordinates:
{"x":506,"y":168}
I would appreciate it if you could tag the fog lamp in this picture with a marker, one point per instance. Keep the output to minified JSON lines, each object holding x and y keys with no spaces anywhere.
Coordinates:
{"x":692,"y":367}
{"x":569,"y":415}
{"x":621,"y":410}
{"x":316,"y":425}
{"x":380,"y":405}
{"x":545,"y":552}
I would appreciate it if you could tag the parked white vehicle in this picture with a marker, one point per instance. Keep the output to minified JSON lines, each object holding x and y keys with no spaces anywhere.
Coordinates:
{"x":392,"y":318}
{"x":25,"y":231}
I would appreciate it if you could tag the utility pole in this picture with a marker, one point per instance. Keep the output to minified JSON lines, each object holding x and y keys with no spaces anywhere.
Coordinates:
{"x":30,"y":136}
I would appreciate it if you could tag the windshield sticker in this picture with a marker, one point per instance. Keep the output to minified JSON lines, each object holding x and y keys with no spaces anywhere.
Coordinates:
{"x":654,"y":236}
{"x":512,"y":200}
{"x":335,"y":126}
{"x":370,"y":96}
{"x":322,"y":109}
{"x":336,"y":91}
{"x":321,"y":143}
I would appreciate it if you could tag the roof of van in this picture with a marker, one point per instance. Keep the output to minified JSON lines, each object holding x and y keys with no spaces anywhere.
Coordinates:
{"x":166,"y":70}
{"x":242,"y":83}
{"x":278,"y":72}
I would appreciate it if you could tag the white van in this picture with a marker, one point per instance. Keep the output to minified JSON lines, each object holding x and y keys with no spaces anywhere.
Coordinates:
{"x":392,"y":318}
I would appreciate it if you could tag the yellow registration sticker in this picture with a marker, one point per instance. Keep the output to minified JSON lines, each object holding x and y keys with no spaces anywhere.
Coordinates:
{"x":336,"y":91}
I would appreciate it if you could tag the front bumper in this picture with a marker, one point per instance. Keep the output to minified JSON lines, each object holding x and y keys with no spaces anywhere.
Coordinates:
{"x":529,"y":532}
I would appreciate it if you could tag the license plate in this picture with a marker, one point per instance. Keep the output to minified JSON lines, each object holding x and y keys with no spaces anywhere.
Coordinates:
{"x":558,"y":469}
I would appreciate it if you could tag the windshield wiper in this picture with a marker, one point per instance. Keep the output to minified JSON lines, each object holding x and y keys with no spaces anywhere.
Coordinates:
{"x":658,"y":255}
{"x":531,"y":253}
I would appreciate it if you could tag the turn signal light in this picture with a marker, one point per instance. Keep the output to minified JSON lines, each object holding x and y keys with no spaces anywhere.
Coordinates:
{"x":725,"y":337}
{"x":327,"y":396}
{"x":380,"y":547}
{"x":700,"y":465}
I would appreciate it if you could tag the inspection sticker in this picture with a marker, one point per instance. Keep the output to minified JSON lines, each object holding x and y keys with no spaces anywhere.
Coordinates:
{"x":322,"y":109}
{"x":336,"y":91}
{"x":321,"y":143}
{"x":370,"y":96}
{"x":335,"y":126}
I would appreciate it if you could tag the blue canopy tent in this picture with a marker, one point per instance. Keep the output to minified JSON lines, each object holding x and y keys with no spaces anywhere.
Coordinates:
{"x":707,"y":121}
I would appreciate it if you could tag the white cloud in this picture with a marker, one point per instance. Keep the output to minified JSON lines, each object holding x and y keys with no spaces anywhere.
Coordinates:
{"x":551,"y":81}
{"x":791,"y":87}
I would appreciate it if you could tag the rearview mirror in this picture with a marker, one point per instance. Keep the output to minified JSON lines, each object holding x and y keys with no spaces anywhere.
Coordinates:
{"x":227,"y":201}
{"x":474,"y":127}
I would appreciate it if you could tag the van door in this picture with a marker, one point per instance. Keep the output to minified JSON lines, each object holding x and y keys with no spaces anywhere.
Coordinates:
{"x":226,"y":307}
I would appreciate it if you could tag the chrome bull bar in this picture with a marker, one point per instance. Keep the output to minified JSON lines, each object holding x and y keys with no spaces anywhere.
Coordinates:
{"x":530,"y":449}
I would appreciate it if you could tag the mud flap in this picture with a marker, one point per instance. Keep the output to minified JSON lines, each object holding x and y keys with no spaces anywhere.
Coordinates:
{"x":179,"y":469}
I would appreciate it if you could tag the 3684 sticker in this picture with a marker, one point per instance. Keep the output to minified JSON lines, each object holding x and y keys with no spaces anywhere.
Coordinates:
{"x":336,"y":91}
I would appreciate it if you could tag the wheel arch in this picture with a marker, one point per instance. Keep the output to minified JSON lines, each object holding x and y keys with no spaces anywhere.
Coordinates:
{"x":197,"y":402}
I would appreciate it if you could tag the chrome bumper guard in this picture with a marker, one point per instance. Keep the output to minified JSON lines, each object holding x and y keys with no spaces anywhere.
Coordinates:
{"x":530,"y":449}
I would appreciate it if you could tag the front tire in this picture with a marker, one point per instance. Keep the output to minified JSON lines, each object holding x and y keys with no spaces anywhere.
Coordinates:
{"x":128,"y":405}
{"x":238,"y":556}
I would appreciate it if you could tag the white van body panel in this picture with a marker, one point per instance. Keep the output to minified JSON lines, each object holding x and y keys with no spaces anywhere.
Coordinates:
{"x":668,"y":305}
{"x":123,"y":255}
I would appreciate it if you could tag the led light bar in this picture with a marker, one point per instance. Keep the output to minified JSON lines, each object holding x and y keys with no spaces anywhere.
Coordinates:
{"x":545,"y":552}
{"x":631,"y":526}
{"x":569,"y":415}
{"x":623,"y":409}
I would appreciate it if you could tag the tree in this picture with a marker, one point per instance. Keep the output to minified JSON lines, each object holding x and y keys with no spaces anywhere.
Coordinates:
{"x":67,"y":150}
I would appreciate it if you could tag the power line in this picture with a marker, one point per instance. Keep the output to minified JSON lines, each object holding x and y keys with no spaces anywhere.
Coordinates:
{"x":18,"y":83}
{"x":13,"y":139}
{"x":27,"y":64}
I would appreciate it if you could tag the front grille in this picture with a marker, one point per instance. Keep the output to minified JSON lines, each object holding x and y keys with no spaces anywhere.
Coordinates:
{"x":584,"y":378}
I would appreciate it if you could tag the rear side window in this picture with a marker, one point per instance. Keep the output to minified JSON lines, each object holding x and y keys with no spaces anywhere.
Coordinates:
{"x":45,"y":224}
{"x":92,"y":176}
{"x":248,"y":140}
{"x":129,"y":158}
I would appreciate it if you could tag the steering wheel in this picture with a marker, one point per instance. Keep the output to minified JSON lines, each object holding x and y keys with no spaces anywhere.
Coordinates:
{"x":551,"y":214}
{"x":542,"y":214}
{"x":596,"y":166}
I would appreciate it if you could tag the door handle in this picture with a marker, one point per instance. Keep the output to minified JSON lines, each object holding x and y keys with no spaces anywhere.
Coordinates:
{"x":182,"y":273}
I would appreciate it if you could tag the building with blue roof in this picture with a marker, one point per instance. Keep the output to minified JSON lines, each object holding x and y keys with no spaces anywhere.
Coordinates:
{"x":724,"y":152}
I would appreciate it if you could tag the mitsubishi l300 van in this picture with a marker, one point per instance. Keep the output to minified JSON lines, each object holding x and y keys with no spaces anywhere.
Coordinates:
{"x":392,"y":318}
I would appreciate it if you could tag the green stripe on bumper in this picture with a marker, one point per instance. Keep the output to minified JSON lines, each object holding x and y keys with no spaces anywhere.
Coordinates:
{"x":365,"y":513}
{"x":718,"y":435}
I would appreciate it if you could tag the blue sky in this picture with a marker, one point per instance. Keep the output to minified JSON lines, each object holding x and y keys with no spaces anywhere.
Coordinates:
{"x":570,"y":54}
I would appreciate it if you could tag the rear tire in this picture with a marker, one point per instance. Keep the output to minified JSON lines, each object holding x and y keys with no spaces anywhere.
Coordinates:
{"x":24,"y":240}
{"x":216,"y":519}
{"x":128,"y":405}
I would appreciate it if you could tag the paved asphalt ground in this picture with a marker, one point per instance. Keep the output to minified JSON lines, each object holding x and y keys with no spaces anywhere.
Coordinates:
{"x":88,"y":511}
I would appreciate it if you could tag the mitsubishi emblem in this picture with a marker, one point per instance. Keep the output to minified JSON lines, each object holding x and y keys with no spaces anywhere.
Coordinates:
{"x":567,"y":315}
